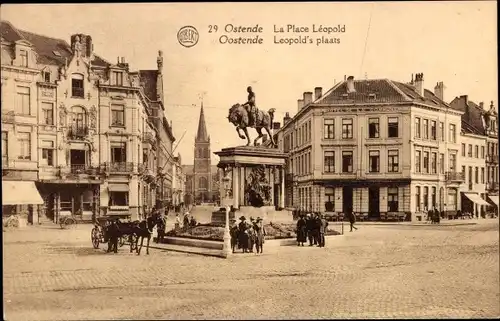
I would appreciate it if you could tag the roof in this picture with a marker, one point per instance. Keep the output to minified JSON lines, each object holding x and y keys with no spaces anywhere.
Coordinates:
{"x":202,"y":134}
{"x":148,"y":80}
{"x":378,"y":91}
{"x":51,"y":51}
{"x":472,"y":121}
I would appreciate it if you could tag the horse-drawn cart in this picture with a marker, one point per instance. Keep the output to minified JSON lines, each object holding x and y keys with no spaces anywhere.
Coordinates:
{"x":99,"y":233}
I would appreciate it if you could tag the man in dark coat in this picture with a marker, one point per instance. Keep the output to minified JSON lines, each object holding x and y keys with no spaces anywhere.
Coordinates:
{"x":113,"y":231}
{"x":260,"y":235}
{"x":322,"y":231}
{"x":352,"y":220}
{"x":310,"y":223}
{"x":317,"y":227}
{"x":243,"y":235}
{"x":301,"y":231}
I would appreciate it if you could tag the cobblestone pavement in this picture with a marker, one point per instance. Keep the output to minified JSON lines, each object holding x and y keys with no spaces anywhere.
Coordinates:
{"x":377,"y":271}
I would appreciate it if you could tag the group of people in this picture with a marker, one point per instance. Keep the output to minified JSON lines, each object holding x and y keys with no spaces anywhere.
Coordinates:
{"x":312,"y":227}
{"x":247,"y":235}
{"x":187,"y":221}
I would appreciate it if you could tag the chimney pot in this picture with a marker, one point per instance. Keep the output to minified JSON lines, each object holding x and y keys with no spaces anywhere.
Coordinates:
{"x":300,"y":104}
{"x":350,"y":85}
{"x":481,"y":104}
{"x":308,"y":98}
{"x":118,"y":59}
{"x":318,"y":93}
{"x":419,"y":83}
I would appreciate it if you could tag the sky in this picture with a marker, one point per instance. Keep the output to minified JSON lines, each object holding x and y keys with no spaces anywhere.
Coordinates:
{"x":453,"y":42}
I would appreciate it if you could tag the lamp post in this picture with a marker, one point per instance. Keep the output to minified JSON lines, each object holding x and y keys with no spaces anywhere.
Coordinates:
{"x":226,"y":250}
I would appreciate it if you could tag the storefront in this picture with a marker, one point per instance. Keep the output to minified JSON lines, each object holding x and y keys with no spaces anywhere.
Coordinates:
{"x":21,"y":198}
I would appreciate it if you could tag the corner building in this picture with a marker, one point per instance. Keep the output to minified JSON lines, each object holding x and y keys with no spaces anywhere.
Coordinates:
{"x":379,"y":148}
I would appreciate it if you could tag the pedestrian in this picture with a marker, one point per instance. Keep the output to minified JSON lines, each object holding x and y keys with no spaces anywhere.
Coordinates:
{"x":310,"y":228}
{"x":177,"y":222}
{"x":301,"y":231}
{"x":260,"y":235}
{"x":317,"y":226}
{"x":352,"y":220}
{"x":322,"y":231}
{"x":160,"y":229}
{"x":185,"y":221}
{"x":113,"y":231}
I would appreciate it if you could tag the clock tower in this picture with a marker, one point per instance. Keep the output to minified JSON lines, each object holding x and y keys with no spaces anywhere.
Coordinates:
{"x":202,"y":176}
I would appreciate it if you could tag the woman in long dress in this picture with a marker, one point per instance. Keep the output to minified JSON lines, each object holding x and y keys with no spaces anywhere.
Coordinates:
{"x":301,"y":231}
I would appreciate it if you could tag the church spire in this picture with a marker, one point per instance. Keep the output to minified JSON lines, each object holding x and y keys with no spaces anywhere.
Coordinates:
{"x":202,"y":134}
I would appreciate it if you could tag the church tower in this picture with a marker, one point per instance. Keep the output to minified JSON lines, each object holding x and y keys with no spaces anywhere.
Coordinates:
{"x":202,"y":165}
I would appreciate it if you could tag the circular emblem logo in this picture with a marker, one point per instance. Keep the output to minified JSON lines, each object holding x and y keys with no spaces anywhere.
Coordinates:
{"x":188,"y":36}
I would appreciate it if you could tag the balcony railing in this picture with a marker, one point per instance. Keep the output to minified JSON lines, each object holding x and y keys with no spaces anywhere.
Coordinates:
{"x":77,"y":92}
{"x":76,"y":132}
{"x":119,"y":167}
{"x":492,"y":158}
{"x":148,"y":138}
{"x":454,"y":177}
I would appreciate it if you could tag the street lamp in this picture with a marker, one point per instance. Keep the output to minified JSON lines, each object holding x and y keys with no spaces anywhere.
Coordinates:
{"x":226,"y":250}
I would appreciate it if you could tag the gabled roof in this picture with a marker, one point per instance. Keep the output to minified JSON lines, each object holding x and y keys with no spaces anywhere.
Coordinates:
{"x":149,"y":79}
{"x":472,"y":121}
{"x":379,"y":91}
{"x":50,"y":51}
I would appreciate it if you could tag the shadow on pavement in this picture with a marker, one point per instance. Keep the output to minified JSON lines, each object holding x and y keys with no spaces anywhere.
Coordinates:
{"x":79,"y":251}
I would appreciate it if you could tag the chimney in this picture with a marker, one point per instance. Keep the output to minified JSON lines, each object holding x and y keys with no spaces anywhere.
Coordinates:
{"x":276,"y":125}
{"x":318,"y":92}
{"x":465,"y":98}
{"x":350,"y":85}
{"x":286,"y":119}
{"x":439,"y":90}
{"x":118,"y":60}
{"x":345,"y":77}
{"x":89,"y":48}
{"x":159,"y":60}
{"x":300,"y":104}
{"x":123,"y":60}
{"x":308,"y":97}
{"x":419,"y":84}
{"x":481,"y":104}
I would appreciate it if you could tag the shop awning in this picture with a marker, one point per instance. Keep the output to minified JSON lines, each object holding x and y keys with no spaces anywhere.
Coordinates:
{"x":20,"y":193}
{"x":118,"y":187}
{"x":494,"y":199}
{"x":474,"y":197}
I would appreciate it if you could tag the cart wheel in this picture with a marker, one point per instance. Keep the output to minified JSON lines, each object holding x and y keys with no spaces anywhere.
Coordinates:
{"x":94,"y":235}
{"x":133,"y":241}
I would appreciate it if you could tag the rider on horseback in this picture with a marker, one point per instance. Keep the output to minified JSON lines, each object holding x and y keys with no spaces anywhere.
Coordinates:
{"x":250,"y":107}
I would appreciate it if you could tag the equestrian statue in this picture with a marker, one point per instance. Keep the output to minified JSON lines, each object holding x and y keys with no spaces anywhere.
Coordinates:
{"x":249,"y":116}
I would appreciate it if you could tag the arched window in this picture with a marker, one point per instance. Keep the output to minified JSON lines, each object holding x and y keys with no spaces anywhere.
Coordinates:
{"x":202,"y":183}
{"x":79,"y":116}
{"x":77,"y":86}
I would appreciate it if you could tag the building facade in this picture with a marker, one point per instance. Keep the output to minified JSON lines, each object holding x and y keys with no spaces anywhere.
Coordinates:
{"x":378,"y":148}
{"x":179,"y":183}
{"x":93,"y":140}
{"x":480,"y":155}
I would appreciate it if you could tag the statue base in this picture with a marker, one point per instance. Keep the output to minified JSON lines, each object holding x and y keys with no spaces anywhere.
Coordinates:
{"x":255,"y":178}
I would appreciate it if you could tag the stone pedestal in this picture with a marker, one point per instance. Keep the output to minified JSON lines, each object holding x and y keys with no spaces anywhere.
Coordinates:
{"x":246,"y":164}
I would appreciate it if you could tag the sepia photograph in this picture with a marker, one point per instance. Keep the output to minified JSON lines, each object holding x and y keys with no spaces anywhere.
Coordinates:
{"x":252,"y":160}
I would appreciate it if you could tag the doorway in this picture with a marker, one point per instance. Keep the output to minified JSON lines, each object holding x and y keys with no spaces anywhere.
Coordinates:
{"x":374,"y":202}
{"x":77,"y":160}
{"x":347,"y":206}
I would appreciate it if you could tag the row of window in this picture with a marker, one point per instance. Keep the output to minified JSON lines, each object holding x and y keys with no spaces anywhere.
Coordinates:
{"x":490,"y":176}
{"x":476,"y":151}
{"x":348,"y":128}
{"x":493,"y":149}
{"x":373,"y":161}
{"x":426,"y":129}
{"x":392,"y":199}
{"x":430,"y":166}
{"x":300,"y":136}
{"x":301,"y":164}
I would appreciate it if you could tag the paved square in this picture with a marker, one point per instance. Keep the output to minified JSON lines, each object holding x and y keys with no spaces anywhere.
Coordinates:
{"x":377,"y":271}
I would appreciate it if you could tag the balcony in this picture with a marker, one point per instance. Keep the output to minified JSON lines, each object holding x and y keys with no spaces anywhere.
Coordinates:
{"x":146,"y":172}
{"x":455,"y":177}
{"x":492,"y":159}
{"x":119,"y":167}
{"x":77,"y":92}
{"x":82,"y":169}
{"x":78,"y":132}
{"x":148,"y":138}
{"x":492,"y":187}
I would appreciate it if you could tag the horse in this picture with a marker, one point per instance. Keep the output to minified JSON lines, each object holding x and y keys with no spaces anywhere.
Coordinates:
{"x":238,"y":116}
{"x":144,"y":230}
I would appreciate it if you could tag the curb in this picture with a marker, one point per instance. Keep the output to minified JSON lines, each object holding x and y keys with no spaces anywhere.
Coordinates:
{"x":180,"y":249}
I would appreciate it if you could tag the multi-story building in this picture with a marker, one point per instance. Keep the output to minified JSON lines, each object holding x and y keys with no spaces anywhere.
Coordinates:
{"x":202,"y":177}
{"x":178,"y":183}
{"x":92,"y":140}
{"x":20,"y":149}
{"x":477,"y":142}
{"x":379,"y":148}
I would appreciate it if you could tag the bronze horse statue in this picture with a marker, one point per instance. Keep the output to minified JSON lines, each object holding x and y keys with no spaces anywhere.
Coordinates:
{"x":238,"y":116}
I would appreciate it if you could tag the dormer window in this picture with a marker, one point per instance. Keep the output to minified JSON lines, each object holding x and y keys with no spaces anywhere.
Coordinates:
{"x":46,"y":76}
{"x":117,"y":77}
{"x":23,"y":54}
{"x":77,"y":86}
{"x":56,"y":53}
